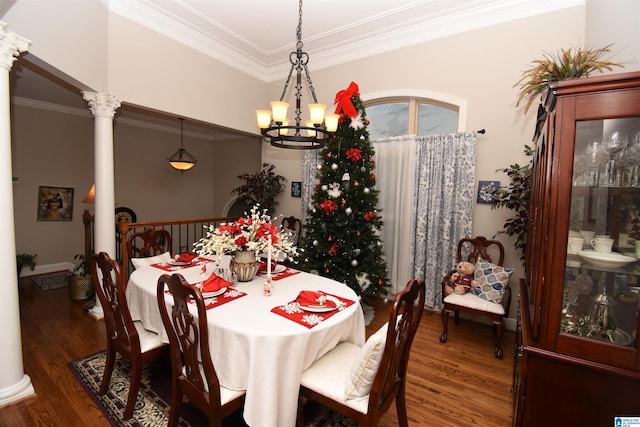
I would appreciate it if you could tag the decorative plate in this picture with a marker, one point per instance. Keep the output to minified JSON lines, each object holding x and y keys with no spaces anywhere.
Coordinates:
{"x":127,"y":213}
{"x":214,"y":293}
{"x":606,"y":260}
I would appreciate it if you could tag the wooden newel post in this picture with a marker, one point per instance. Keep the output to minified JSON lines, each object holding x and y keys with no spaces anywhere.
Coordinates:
{"x":123,"y":229}
{"x":87,"y":219}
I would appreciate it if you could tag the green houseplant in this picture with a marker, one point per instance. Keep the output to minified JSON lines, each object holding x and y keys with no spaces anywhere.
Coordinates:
{"x":25,"y":259}
{"x":566,"y":64}
{"x":80,"y":283}
{"x":516,"y":197}
{"x":261,"y":188}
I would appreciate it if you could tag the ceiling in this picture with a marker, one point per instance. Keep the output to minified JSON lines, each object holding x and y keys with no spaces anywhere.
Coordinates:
{"x":256,"y":36}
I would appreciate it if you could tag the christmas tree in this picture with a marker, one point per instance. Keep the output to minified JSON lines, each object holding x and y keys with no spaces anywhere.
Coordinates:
{"x":343,"y":226}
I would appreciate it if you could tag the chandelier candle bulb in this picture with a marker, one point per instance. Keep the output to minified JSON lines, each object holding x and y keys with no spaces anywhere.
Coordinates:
{"x":284,"y":131}
{"x":331,"y":122}
{"x":316,"y":113}
{"x":309,"y":124}
{"x":279,"y":111}
{"x":264,"y":118}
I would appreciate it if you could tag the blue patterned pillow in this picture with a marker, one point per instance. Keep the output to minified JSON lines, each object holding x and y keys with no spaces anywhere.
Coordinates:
{"x":492,"y":279}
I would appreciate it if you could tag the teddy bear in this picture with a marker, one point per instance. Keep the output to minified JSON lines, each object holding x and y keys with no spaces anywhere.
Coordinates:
{"x":461,"y":281}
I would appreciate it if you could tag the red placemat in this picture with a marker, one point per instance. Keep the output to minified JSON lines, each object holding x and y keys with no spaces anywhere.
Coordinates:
{"x":229,"y":295}
{"x":292,"y":311}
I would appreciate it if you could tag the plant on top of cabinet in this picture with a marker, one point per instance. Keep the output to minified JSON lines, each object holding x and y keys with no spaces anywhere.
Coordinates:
{"x":563,"y":65}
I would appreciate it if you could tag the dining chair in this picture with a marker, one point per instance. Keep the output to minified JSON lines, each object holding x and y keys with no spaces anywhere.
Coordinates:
{"x":295,"y":226}
{"x":362,"y":382}
{"x":477,"y":248}
{"x":149,"y":242}
{"x":192,"y":371}
{"x":124,"y":336}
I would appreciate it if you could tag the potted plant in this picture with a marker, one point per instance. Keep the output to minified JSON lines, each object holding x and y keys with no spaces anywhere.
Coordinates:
{"x":516,"y":197}
{"x":261,"y":188}
{"x":80,"y":284}
{"x":565,"y":65}
{"x":25,"y":259}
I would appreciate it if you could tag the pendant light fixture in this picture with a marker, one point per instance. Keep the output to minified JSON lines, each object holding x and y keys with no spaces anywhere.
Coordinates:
{"x":182,"y":160}
{"x":274,"y":125}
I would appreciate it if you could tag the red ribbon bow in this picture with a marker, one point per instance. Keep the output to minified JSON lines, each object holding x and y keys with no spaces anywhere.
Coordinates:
{"x":343,"y":100}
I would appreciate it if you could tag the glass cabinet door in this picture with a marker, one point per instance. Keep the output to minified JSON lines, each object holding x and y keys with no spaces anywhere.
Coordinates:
{"x":601,"y":295}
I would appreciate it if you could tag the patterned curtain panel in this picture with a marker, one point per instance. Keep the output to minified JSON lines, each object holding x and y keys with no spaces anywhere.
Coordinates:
{"x":443,"y":206}
{"x":310,"y":161}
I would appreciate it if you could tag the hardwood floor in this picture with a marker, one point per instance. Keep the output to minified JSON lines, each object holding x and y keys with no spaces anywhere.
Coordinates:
{"x":455,"y":384}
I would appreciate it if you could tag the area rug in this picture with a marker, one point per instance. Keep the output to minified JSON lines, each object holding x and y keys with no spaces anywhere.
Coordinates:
{"x":50,"y":281}
{"x":152,"y":407}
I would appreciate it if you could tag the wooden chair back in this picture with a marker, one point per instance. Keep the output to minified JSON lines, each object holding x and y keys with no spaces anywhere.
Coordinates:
{"x":404,"y":319}
{"x":149,"y":242}
{"x":121,"y":330}
{"x":295,"y":226}
{"x":124,"y":336}
{"x":189,"y":344}
{"x":389,"y":381}
{"x":480,"y":247}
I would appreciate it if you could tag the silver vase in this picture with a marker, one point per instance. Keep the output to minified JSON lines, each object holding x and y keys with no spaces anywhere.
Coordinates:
{"x":245,"y":265}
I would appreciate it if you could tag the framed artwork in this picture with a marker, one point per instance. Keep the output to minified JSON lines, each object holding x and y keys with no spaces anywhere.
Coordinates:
{"x":55,"y":203}
{"x":486,"y":190}
{"x":296,"y":189}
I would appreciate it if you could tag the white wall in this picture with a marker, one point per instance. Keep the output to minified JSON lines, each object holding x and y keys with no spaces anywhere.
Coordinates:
{"x":52,"y":148}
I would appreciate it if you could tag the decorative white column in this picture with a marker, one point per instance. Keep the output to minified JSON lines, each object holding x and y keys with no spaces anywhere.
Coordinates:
{"x":103,"y":107}
{"x":14,"y":383}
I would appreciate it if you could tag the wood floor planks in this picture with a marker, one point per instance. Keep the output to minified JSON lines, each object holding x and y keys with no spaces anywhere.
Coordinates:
{"x":459,"y":383}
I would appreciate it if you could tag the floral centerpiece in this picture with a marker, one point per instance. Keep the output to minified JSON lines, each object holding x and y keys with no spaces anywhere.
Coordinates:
{"x":254,"y":233}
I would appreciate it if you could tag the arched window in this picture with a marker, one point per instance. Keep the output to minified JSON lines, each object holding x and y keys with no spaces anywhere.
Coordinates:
{"x":410,"y":116}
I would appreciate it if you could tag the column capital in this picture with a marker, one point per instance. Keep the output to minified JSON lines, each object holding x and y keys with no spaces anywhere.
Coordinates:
{"x":11,"y":45}
{"x":101,"y":104}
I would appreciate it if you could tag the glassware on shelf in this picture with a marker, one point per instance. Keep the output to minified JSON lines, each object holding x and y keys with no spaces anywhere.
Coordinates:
{"x":614,"y":142}
{"x":593,"y":161}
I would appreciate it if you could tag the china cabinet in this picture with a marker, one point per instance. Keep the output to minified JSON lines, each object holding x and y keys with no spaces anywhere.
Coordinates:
{"x":577,"y":359}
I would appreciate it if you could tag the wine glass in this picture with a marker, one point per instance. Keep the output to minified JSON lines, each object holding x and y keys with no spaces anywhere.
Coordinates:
{"x":615,"y":141}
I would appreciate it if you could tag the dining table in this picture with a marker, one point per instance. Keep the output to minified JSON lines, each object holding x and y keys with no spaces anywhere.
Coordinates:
{"x":259,"y":343}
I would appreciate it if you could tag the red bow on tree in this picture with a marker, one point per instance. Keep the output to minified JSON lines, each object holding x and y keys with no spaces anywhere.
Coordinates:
{"x":343,"y":100}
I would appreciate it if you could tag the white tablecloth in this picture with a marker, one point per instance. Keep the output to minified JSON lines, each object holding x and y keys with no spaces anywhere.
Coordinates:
{"x":252,"y":348}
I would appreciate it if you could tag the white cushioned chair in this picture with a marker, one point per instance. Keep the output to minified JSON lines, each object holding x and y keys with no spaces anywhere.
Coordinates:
{"x":480,"y":301}
{"x":193,"y":374}
{"x":362,"y":382}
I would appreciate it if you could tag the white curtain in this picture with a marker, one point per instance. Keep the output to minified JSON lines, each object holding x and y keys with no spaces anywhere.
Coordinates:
{"x":395,"y":178}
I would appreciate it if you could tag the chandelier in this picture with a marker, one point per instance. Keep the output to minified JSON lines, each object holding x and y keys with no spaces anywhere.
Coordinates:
{"x":182,"y":160}
{"x":274,"y":125}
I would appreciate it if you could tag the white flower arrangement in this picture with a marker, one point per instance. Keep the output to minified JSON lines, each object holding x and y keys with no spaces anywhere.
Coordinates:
{"x":249,"y":233}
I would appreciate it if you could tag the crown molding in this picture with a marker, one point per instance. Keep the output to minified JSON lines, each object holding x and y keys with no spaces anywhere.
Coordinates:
{"x":401,"y":27}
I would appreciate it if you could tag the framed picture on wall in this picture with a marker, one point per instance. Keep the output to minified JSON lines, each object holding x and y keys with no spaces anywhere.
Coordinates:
{"x":55,"y":203}
{"x":296,"y":189}
{"x":486,"y":191}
